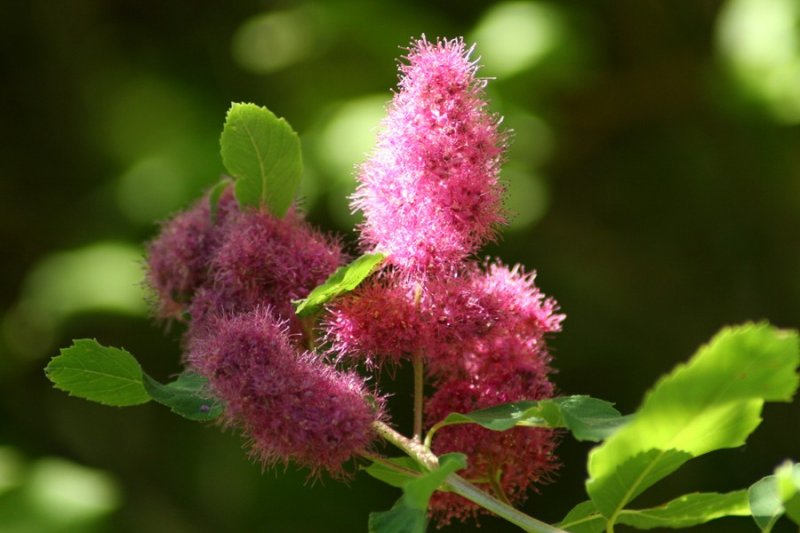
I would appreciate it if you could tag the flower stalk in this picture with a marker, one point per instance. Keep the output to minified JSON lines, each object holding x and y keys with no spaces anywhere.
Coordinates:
{"x":419,"y":382}
{"x":461,"y":486}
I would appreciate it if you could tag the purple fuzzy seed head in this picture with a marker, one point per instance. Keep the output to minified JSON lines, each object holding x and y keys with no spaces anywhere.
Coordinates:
{"x":430,"y":192}
{"x":266,"y":261}
{"x":518,"y":458}
{"x":289,"y":404}
{"x":178,"y":259}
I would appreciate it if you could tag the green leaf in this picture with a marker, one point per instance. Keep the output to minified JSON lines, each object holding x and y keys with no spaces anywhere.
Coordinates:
{"x":343,"y":280}
{"x":112,"y":376}
{"x":583,"y":518}
{"x":187,"y":396}
{"x":410,"y":513}
{"x":789,"y":483}
{"x":88,"y":370}
{"x":262,"y":152}
{"x":395,"y":471}
{"x":712,"y":402}
{"x":772,"y":496}
{"x":586,"y":417}
{"x":685,"y":511}
{"x":214,"y":195}
{"x":688,"y":510}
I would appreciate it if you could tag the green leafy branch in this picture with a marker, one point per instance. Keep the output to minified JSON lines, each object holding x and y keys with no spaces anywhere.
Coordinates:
{"x":112,"y":376}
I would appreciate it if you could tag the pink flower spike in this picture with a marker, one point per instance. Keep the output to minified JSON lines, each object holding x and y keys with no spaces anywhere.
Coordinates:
{"x":430,"y":192}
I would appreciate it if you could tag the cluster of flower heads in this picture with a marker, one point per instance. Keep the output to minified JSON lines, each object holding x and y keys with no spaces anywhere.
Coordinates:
{"x":232,"y":275}
{"x":431,"y":197}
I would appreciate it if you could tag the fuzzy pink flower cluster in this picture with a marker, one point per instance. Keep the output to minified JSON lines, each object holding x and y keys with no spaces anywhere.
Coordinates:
{"x":431,"y":197}
{"x":233,"y":277}
{"x":430,"y":193}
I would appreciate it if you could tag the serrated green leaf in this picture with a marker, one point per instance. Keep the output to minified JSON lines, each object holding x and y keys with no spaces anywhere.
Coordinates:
{"x":187,"y":396}
{"x":343,"y":280}
{"x":262,"y":152}
{"x":712,"y":402}
{"x":583,"y":518}
{"x":688,"y":510}
{"x":102,"y":374}
{"x":395,"y":471}
{"x":410,"y":513}
{"x":586,"y":417}
{"x":773,"y":496}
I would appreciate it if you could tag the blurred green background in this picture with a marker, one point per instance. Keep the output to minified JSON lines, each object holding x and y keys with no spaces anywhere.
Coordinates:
{"x":655,"y":173}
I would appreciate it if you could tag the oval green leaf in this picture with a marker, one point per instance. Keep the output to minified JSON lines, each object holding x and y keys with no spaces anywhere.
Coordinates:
{"x":102,"y":374}
{"x":262,"y":152}
{"x":343,"y":280}
{"x":586,"y":417}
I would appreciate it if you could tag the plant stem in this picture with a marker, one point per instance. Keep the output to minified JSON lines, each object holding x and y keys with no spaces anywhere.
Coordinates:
{"x":461,"y":486}
{"x":419,"y":382}
{"x":494,"y":481}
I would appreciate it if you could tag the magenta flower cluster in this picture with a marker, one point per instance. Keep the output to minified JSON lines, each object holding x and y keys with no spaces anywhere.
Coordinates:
{"x":431,"y":197}
{"x":233,"y":277}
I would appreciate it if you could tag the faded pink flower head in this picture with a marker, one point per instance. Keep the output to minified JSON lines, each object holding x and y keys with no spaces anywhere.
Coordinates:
{"x":265,"y":261}
{"x":290,"y":404}
{"x":518,"y":459}
{"x":430,"y":192}
{"x":178,"y":259}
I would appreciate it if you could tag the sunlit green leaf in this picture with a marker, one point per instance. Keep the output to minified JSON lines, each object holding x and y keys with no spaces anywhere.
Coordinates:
{"x":262,"y":152}
{"x":88,"y":370}
{"x":688,"y":510}
{"x":685,"y":511}
{"x":410,"y":513}
{"x":586,"y":417}
{"x":343,"y":280}
{"x":773,"y":496}
{"x":187,"y":396}
{"x":583,"y":518}
{"x":712,"y":402}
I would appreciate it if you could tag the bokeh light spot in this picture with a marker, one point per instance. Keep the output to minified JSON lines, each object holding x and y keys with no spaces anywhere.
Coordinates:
{"x":11,"y":468}
{"x":152,"y":188}
{"x":105,"y":276}
{"x":272,"y":41}
{"x":759,"y":40}
{"x":69,"y":492}
{"x":515,"y":36}
{"x":349,"y":134}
